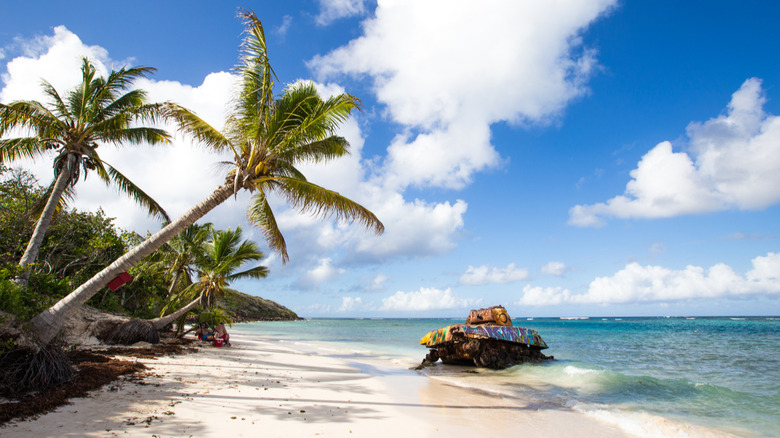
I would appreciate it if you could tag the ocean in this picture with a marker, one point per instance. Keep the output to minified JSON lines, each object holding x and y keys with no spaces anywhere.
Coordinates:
{"x":649,"y":376}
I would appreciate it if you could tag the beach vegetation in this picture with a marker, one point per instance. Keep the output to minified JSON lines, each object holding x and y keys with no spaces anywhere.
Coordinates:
{"x":99,"y":110}
{"x":267,"y":137}
{"x":215,"y":261}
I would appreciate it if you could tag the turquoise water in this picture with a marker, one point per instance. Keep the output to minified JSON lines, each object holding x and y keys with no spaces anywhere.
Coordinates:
{"x":650,"y":376}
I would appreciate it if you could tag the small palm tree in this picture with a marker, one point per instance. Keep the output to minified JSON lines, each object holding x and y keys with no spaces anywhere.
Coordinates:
{"x":98,"y":110}
{"x":217,"y":261}
{"x":177,"y":258}
{"x":267,"y":138}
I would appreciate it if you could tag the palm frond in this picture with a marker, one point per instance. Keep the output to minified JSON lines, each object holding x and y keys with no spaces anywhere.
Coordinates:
{"x":261,"y":215}
{"x":56,"y":99}
{"x":136,"y":135}
{"x":311,"y":198}
{"x":32,"y":115}
{"x":189,"y":123}
{"x":256,"y":98}
{"x":302,"y":116}
{"x":317,"y":151}
{"x":128,"y":102}
{"x":13,"y":149}
{"x":79,"y":97}
{"x":256,"y":272}
{"x":139,"y":196}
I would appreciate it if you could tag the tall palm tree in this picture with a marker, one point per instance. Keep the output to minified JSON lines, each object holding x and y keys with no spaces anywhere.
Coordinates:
{"x":267,"y":138}
{"x":217,"y":263}
{"x":98,"y":110}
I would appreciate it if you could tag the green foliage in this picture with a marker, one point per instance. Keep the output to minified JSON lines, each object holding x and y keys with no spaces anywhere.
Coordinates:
{"x":77,"y":245}
{"x":214,"y":316}
{"x":80,"y":244}
{"x":217,"y":266}
{"x":97,"y":111}
{"x":269,"y":136}
{"x":22,"y":302}
{"x":19,"y":193}
{"x":243,"y":308}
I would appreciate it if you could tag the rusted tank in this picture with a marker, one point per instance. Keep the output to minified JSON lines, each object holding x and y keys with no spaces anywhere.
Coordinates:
{"x":487,"y":339}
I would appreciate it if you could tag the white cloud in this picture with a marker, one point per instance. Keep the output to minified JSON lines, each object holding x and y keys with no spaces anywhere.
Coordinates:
{"x":377,"y":283}
{"x":285,"y":26}
{"x":178,"y":176}
{"x":485,"y":274}
{"x":544,"y":296}
{"x":426,"y":299}
{"x":325,"y":271}
{"x":56,"y":58}
{"x":351,"y":304}
{"x":412,"y":228}
{"x":447,"y":85}
{"x":733,"y":163}
{"x":641,"y":284}
{"x":332,"y":10}
{"x":181,"y":175}
{"x":554,"y":268}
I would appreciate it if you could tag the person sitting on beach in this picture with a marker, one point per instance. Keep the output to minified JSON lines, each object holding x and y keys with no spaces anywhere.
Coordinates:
{"x":203,"y":333}
{"x":220,"y":332}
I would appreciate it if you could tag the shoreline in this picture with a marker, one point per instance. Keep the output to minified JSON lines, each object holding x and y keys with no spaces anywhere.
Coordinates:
{"x":265,"y":386}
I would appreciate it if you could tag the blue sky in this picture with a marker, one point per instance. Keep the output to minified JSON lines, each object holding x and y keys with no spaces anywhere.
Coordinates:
{"x":561,"y":158}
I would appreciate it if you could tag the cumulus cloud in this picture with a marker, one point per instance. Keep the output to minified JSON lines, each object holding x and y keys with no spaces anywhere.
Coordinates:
{"x":640,"y":284}
{"x":554,"y":268}
{"x":447,"y":86}
{"x":544,"y":296}
{"x":57,"y":56}
{"x":733,"y":163}
{"x":349,"y":304}
{"x":323,"y":272}
{"x":426,"y":299}
{"x":180,"y":175}
{"x":484,"y":274}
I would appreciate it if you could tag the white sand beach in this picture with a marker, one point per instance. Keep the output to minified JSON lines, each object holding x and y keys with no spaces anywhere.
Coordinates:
{"x":262,"y":387}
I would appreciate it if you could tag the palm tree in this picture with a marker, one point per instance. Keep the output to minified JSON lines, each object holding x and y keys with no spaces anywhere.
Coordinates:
{"x":267,"y":137}
{"x":98,"y":110}
{"x":218,"y":260}
{"x":177,"y":258}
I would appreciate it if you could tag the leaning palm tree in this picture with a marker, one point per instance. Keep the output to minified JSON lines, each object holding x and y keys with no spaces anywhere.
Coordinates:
{"x":267,"y":137}
{"x":98,"y":110}
{"x":217,"y":263}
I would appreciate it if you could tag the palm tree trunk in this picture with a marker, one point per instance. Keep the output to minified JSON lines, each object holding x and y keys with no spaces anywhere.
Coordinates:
{"x":31,"y":253}
{"x":162,"y":321}
{"x":47,"y":324}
